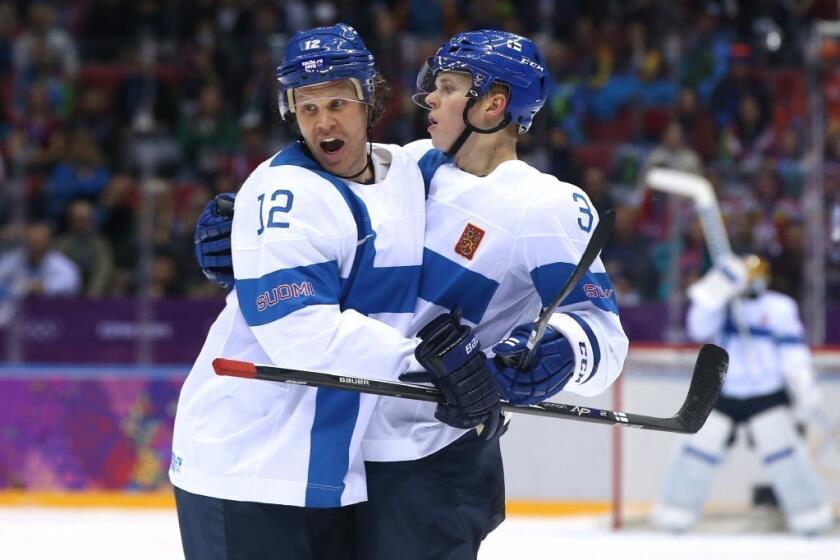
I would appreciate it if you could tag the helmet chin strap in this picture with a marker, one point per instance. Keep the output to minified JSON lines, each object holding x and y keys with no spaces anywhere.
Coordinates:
{"x":469,"y":129}
{"x":368,"y":159}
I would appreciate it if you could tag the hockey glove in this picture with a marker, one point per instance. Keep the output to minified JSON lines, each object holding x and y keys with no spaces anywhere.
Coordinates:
{"x":554,"y":363}
{"x":212,"y":240}
{"x":452,"y":356}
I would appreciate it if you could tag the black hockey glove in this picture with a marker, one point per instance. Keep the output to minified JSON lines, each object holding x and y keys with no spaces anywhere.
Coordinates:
{"x":452,"y":356}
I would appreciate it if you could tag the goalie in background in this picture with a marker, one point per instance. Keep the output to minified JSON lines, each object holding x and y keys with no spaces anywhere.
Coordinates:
{"x":770,"y":387}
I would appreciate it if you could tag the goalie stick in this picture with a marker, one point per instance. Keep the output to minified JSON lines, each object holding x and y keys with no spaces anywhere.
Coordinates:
{"x":703,"y":391}
{"x":702,"y":194}
{"x":596,"y":243}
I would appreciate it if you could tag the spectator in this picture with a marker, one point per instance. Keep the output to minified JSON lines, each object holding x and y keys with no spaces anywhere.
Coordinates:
{"x":673,"y":153}
{"x":563,"y":164}
{"x":86,"y":247}
{"x":772,"y":210}
{"x":787,"y":265}
{"x":693,"y":261}
{"x":697,"y":124}
{"x":146,"y":103}
{"x":626,"y":257}
{"x":748,"y":138}
{"x":789,"y":155}
{"x":94,"y":113}
{"x":210,"y":135}
{"x":164,"y":281}
{"x":595,"y":185}
{"x":44,"y":35}
{"x":84,"y":175}
{"x":37,"y":269}
{"x":739,"y":82}
{"x":118,"y":216}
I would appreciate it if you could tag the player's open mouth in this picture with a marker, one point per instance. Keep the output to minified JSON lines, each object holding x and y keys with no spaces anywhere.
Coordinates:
{"x":331,"y":145}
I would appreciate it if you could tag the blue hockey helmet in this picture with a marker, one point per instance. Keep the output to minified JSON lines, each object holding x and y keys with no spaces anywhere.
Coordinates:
{"x":491,"y":56}
{"x":325,"y":54}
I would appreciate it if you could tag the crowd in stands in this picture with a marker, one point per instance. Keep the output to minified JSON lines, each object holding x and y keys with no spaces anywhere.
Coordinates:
{"x":120,"y":119}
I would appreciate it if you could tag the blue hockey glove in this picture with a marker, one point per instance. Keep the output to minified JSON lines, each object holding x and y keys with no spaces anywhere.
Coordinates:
{"x":452,"y":356}
{"x":212,"y":240}
{"x":554,"y":363}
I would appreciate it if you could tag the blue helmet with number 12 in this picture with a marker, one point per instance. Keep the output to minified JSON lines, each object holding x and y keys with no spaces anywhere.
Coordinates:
{"x":325,"y":54}
{"x":492,"y":57}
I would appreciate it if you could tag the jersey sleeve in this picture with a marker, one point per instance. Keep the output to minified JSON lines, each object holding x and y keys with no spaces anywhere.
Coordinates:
{"x":551,"y":239}
{"x":294,"y":241}
{"x":794,"y":352}
{"x":705,"y":322}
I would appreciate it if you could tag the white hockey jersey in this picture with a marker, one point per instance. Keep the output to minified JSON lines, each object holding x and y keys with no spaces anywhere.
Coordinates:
{"x":758,"y":362}
{"x":501,"y":247}
{"x":327,"y":278}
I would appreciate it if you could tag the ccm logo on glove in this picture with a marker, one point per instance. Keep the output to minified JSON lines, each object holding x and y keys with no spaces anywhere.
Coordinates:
{"x":583,"y":361}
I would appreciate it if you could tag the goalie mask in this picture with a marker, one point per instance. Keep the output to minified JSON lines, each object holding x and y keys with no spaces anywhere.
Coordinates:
{"x":758,"y":274}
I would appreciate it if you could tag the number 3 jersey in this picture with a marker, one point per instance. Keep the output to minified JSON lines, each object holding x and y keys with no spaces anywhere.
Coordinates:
{"x":501,"y":247}
{"x":327,"y":278}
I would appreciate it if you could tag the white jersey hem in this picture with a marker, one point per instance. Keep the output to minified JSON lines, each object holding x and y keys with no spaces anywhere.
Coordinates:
{"x":261,"y":490}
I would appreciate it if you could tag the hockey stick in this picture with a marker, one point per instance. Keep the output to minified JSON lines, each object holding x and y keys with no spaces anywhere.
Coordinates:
{"x":703,"y":391}
{"x":596,"y":243}
{"x":702,"y":194}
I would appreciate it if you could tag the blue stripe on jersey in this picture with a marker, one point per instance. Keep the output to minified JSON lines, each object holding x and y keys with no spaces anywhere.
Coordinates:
{"x":593,"y":341}
{"x":367,"y":290}
{"x":332,"y":429}
{"x":790,"y":340}
{"x":594,"y":287}
{"x":390,"y":289}
{"x":702,"y":455}
{"x":729,"y":328}
{"x":448,"y":284}
{"x":429,"y":164}
{"x":276,"y":294}
{"x":778,"y":455}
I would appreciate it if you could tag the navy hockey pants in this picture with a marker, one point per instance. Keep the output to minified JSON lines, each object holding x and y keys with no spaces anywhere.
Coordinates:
{"x":216,"y":529}
{"x":439,"y":507}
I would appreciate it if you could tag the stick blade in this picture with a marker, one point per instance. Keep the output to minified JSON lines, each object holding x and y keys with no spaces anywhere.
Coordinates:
{"x":706,"y":381}
{"x":234,"y":368}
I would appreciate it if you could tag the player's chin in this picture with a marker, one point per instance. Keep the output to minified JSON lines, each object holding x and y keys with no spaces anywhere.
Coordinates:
{"x":440,"y":140}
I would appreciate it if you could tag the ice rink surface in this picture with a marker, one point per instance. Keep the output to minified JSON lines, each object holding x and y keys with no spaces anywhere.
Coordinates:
{"x":100,"y":534}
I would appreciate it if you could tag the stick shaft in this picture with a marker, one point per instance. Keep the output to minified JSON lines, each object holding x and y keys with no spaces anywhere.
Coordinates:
{"x":596,"y":243}
{"x":703,"y":392}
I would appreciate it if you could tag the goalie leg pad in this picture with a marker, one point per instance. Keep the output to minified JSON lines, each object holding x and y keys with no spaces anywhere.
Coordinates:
{"x":690,"y":476}
{"x":788,"y":465}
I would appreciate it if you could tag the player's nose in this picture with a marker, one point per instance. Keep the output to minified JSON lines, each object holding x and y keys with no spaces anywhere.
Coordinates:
{"x":324,"y":122}
{"x":432,"y":99}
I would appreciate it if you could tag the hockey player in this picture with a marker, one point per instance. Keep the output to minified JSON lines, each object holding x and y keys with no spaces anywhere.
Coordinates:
{"x":770,"y":383}
{"x":327,"y":243}
{"x":501,"y":239}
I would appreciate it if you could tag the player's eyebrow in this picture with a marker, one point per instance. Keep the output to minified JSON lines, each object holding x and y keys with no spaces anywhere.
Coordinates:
{"x":447,"y":80}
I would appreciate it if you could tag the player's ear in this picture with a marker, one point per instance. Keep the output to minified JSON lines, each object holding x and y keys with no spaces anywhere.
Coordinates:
{"x":495,"y":105}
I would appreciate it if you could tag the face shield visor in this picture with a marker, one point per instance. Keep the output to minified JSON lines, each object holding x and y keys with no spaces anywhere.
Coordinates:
{"x":425,"y":83}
